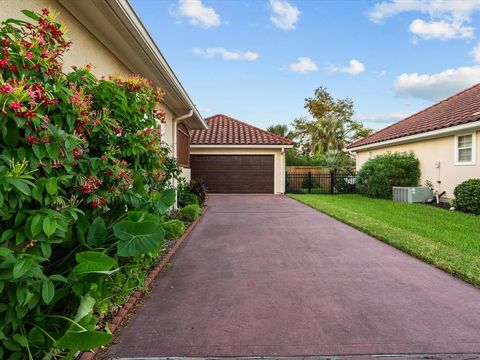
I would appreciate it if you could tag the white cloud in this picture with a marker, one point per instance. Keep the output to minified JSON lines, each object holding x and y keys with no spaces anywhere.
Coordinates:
{"x":303,"y":65}
{"x":446,"y":17}
{"x":382,"y":118}
{"x":354,"y":67}
{"x":442,"y":30}
{"x":227,"y":54}
{"x":198,"y":13}
{"x":434,"y":87}
{"x":456,"y":9}
{"x":285,"y":16}
{"x":476,"y":53}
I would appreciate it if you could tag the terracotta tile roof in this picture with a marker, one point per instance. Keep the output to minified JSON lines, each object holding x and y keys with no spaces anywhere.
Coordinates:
{"x":461,"y":108}
{"x":224,"y":130}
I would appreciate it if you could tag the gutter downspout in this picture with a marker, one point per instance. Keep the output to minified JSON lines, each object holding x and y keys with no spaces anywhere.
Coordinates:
{"x":175,"y":121}
{"x":186,"y":116}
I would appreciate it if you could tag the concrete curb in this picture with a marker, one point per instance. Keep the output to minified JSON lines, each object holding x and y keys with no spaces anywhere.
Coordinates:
{"x":137,"y":295}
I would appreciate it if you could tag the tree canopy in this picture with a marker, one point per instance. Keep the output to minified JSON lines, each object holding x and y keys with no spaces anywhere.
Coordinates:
{"x":330,"y":125}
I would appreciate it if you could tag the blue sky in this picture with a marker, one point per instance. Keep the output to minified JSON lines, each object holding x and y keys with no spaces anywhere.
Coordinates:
{"x":256,"y":60}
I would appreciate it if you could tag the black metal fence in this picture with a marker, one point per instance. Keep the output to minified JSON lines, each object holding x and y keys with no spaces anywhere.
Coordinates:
{"x":311,"y":183}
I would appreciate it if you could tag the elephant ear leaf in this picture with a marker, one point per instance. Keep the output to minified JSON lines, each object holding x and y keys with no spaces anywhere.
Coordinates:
{"x":94,"y":262}
{"x":97,"y":232}
{"x":138,"y":238}
{"x":164,"y":200}
{"x":83,"y":340}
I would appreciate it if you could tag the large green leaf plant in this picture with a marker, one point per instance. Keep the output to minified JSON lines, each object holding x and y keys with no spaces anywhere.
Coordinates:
{"x":85,"y":182}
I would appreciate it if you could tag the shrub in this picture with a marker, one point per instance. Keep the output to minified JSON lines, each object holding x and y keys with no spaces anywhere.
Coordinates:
{"x":190,"y":212}
{"x":379,"y":174}
{"x":467,"y":196}
{"x":194,"y":192}
{"x":173,"y":229}
{"x":184,"y":195}
{"x":345,"y":183}
{"x":198,"y":188}
{"x":76,"y":153}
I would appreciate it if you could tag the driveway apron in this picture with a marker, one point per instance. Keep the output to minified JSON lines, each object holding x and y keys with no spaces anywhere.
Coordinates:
{"x":268,"y":276}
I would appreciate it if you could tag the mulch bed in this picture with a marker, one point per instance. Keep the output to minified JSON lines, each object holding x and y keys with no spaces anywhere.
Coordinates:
{"x":441,"y":204}
{"x":137,"y":296}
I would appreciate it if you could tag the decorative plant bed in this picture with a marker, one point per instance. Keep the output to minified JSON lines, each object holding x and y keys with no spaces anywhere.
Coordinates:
{"x":135,"y":298}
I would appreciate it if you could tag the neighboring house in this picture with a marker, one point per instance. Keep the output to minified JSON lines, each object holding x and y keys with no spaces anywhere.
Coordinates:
{"x":234,"y":157}
{"x":444,"y":137}
{"x":110,"y":36}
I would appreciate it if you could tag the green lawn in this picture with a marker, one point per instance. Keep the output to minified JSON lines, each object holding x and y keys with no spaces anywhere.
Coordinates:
{"x":449,"y":240}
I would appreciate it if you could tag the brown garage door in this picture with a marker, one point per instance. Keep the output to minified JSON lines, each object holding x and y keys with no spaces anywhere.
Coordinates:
{"x":235,"y":174}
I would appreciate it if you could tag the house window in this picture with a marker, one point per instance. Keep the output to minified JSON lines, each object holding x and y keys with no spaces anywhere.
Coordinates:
{"x":465,"y":149}
{"x":183,"y":146}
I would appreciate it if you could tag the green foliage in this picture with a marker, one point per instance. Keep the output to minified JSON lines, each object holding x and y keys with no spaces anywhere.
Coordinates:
{"x":198,"y":188}
{"x":281,"y":130}
{"x":330,"y":127}
{"x":194,"y":192}
{"x":467,"y":196}
{"x":173,"y":229}
{"x":184,"y":195}
{"x":337,"y":160}
{"x":84,"y":183}
{"x":190,"y":212}
{"x":379,"y":174}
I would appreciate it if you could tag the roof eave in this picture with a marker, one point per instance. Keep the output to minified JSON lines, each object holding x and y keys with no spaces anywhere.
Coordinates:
{"x":452,"y":130}
{"x":271,"y":146}
{"x":116,"y":25}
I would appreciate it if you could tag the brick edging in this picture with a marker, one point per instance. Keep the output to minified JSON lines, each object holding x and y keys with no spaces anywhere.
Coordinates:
{"x":137,"y":295}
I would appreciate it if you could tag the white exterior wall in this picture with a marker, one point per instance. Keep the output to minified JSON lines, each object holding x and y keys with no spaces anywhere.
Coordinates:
{"x":279,"y":159}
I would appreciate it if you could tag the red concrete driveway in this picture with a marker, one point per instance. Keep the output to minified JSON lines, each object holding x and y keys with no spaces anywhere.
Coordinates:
{"x":265,"y":275}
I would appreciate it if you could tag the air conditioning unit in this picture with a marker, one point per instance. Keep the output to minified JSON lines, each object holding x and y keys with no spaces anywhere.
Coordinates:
{"x":412,"y":194}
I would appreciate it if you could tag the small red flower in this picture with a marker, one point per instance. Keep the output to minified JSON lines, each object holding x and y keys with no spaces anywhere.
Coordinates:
{"x":45,"y":12}
{"x":29,"y":55}
{"x":32,"y":139}
{"x":77,"y":152}
{"x":15,"y":105}
{"x":3,"y":63}
{"x":6,"y":88}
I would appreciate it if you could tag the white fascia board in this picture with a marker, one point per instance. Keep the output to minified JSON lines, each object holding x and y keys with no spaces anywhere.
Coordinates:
{"x":452,"y":130}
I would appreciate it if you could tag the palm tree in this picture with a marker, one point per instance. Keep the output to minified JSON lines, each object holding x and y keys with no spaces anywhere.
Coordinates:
{"x":281,"y":130}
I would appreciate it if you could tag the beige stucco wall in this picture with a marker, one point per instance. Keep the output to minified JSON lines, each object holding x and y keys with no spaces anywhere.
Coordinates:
{"x":429,"y":152}
{"x":85,"y":47}
{"x":279,"y":160}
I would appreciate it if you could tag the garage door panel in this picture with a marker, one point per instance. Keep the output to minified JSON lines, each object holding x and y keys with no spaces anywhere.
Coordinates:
{"x":235,"y":173}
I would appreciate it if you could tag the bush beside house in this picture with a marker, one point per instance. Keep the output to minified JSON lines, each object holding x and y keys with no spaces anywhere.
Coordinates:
{"x":85,"y":190}
{"x":379,"y":174}
{"x":467,"y":196}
